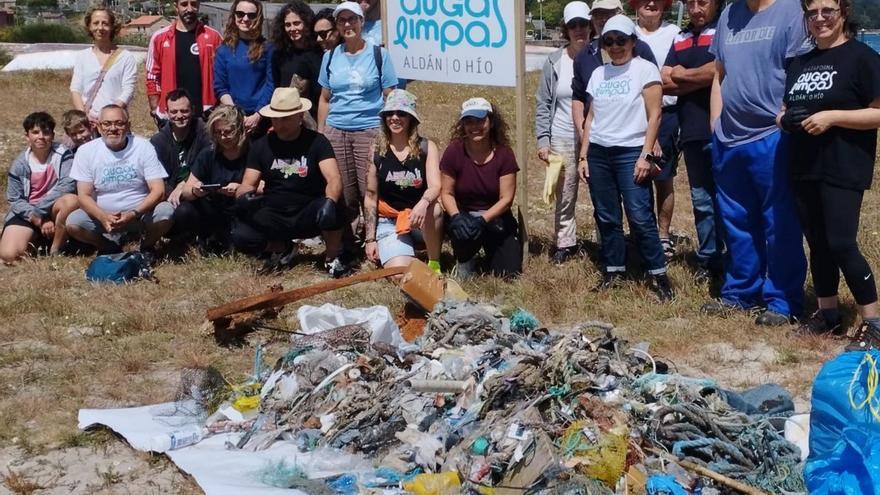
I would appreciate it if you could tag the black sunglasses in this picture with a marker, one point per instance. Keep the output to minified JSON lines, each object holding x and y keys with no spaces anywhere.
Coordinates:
{"x":323,"y":34}
{"x":611,"y":40}
{"x":396,"y":113}
{"x":577,"y":23}
{"x":250,"y":15}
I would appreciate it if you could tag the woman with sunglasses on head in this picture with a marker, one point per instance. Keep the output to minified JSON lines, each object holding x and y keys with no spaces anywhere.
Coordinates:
{"x":355,"y":77}
{"x":325,"y":31}
{"x":403,"y":185}
{"x":207,"y":203}
{"x":103,"y":74}
{"x":615,"y":159}
{"x":296,"y":56}
{"x":242,"y":68}
{"x":555,"y":129}
{"x":478,"y":184}
{"x":831,"y":108}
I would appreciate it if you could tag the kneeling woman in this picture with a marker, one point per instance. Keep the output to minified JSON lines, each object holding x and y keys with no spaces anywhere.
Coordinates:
{"x":301,"y":192}
{"x":478,"y":185}
{"x":208,"y":199}
{"x":615,"y":159}
{"x":403,"y":185}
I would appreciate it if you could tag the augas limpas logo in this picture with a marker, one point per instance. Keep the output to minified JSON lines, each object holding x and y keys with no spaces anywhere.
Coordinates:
{"x":816,"y":80}
{"x":478,"y":23}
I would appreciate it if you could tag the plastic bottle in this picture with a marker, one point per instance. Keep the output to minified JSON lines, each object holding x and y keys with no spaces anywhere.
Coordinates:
{"x":177,"y":439}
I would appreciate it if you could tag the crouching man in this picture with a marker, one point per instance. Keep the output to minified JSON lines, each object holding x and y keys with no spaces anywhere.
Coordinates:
{"x":120,"y":186}
{"x":301,"y":192}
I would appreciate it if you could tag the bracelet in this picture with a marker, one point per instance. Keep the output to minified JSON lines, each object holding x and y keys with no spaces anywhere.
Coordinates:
{"x":582,"y":159}
{"x":367,"y":241}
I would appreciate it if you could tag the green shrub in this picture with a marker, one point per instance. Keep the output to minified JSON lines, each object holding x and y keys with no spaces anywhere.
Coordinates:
{"x":134,"y":39}
{"x":5,"y":57}
{"x":45,"y":33}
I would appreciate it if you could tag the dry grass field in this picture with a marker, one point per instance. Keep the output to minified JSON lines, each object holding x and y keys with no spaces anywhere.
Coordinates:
{"x":67,"y":344}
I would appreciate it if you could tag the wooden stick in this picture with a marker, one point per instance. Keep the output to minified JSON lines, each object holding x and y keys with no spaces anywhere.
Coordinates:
{"x":275,"y":299}
{"x":708,"y":473}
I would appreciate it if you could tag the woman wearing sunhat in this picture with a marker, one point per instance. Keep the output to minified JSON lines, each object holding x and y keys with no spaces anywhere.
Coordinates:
{"x":403,"y":185}
{"x":615,"y":158}
{"x":354,"y":77}
{"x":478,"y":184}
{"x":554,"y":126}
{"x":301,"y":192}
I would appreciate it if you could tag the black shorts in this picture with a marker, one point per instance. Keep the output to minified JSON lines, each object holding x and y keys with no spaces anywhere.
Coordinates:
{"x":17,"y":220}
{"x":668,"y":138}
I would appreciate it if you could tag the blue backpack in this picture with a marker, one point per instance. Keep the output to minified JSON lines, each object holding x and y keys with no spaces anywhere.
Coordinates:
{"x":119,"y":268}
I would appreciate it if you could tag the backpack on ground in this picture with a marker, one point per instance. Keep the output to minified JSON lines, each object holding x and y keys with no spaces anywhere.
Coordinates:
{"x":119,"y":268}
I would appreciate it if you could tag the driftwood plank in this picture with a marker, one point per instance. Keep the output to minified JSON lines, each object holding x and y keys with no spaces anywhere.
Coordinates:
{"x":275,"y":299}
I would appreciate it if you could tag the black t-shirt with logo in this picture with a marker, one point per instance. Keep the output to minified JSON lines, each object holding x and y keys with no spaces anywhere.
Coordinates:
{"x":189,"y":74}
{"x":290,"y":168}
{"x":691,"y":51}
{"x":846,"y":77}
{"x":402,"y":185}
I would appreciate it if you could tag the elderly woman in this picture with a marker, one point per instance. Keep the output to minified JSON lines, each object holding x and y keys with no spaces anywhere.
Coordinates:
{"x":325,"y":30}
{"x":355,"y":76}
{"x":478,"y":185}
{"x":296,"y":56}
{"x":831,"y":109}
{"x":208,"y":199}
{"x":403,"y":186}
{"x":242,"y":68}
{"x":557,"y":135}
{"x":103,"y":74}
{"x":616,"y":160}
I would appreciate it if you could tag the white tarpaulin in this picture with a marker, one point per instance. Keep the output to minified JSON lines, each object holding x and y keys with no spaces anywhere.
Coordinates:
{"x":217,"y":470}
{"x":56,"y":60}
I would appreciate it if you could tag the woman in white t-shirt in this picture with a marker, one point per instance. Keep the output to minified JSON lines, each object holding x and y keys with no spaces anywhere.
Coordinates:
{"x":91,"y":88}
{"x":615,"y":159}
{"x":555,"y":128}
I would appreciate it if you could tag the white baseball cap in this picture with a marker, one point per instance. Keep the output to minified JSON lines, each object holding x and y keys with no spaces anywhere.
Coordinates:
{"x":349,"y":6}
{"x":607,"y":5}
{"x":475,"y":107}
{"x":576,"y":10}
{"x":620,"y":23}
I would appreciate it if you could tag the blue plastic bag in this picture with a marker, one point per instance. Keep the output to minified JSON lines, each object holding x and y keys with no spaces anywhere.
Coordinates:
{"x":844,"y":430}
{"x":118,"y":268}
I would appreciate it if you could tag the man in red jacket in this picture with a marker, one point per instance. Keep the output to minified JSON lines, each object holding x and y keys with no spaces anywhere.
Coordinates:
{"x":181,"y":55}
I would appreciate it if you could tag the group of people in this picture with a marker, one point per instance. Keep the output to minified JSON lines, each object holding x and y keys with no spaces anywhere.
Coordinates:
{"x":775,"y":106}
{"x":262,"y":143}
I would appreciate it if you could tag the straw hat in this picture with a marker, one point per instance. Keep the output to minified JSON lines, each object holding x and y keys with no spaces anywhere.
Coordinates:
{"x":285,"y":102}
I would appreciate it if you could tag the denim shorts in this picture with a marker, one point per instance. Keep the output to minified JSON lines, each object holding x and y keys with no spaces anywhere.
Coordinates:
{"x":391,"y":244}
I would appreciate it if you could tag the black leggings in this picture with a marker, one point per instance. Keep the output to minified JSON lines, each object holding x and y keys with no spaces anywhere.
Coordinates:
{"x":830,"y":219}
{"x":500,"y":241}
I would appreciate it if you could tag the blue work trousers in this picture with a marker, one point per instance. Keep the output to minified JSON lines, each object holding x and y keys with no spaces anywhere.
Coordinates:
{"x":765,"y":262}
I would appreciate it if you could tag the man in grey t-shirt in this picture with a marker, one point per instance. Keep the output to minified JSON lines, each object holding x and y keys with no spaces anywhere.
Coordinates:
{"x":765,"y":263}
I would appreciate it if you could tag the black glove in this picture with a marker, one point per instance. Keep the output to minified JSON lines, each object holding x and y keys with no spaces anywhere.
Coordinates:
{"x":792,"y":118}
{"x":496,"y":225}
{"x":458,"y":226}
{"x":474,"y":226}
{"x":326,"y":216}
{"x":248,"y":202}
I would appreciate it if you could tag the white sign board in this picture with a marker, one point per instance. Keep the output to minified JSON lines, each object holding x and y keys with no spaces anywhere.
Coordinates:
{"x":453,"y":41}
